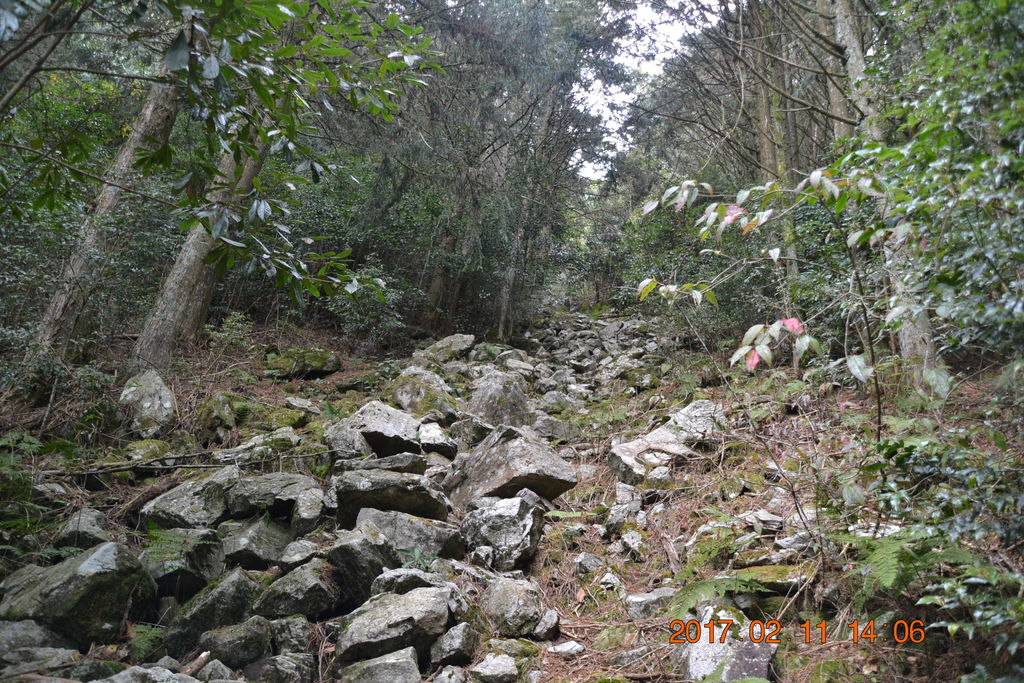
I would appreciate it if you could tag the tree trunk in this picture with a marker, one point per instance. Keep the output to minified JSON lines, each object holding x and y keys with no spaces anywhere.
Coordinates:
{"x":181,"y":305}
{"x":916,"y":337}
{"x":150,"y":130}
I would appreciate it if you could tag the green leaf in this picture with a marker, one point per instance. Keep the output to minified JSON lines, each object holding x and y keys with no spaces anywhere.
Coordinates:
{"x":211,"y":67}
{"x":939,"y":380}
{"x":646,"y":287}
{"x":740,"y":352}
{"x":177,"y":55}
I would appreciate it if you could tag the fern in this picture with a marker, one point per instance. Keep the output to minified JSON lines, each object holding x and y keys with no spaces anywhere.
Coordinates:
{"x":692,"y":594}
{"x":886,"y":561}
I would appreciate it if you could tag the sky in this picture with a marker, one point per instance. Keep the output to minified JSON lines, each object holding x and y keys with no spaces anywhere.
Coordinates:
{"x":660,"y":37}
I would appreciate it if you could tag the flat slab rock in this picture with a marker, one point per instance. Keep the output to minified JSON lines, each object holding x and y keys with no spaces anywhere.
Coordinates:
{"x":199,"y":503}
{"x":394,"y":667}
{"x":387,"y":430}
{"x":388,"y":622}
{"x":506,"y":461}
{"x":384,"y":490}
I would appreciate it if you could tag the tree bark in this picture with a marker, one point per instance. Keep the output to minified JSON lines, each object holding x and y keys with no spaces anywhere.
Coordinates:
{"x":916,"y":337}
{"x":181,"y":305}
{"x":150,"y":130}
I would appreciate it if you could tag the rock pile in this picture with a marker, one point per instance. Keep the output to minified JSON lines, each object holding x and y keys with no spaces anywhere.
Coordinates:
{"x":409,"y":556}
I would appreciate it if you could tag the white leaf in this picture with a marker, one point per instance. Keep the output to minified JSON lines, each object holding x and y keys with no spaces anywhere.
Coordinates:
{"x":859,"y":368}
{"x":754,"y":330}
{"x":774,"y":253}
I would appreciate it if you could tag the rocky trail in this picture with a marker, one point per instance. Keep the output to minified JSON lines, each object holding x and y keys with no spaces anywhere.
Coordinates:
{"x":559,"y":511}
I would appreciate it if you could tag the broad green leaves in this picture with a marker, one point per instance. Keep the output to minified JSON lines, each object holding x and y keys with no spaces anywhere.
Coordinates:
{"x":756,"y":343}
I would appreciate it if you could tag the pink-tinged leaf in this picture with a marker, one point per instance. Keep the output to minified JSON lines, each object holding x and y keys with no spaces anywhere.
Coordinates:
{"x":753,"y":358}
{"x":650,"y":206}
{"x":794,"y":325}
{"x":732,"y":212}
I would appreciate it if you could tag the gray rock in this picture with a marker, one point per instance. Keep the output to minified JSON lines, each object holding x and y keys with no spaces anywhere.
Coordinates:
{"x":567,"y":649}
{"x":217,"y":417}
{"x":84,"y":529}
{"x":625,"y":510}
{"x":309,"y":363}
{"x":452,"y":674}
{"x":495,"y":669}
{"x":85,"y":597}
{"x":287,"y":668}
{"x":553,"y":429}
{"x":387,"y":430}
{"x":239,"y":644}
{"x":633,"y":460}
{"x":633,"y":542}
{"x":455,"y":647}
{"x":383,"y":490}
{"x":409,"y":532}
{"x":469,"y":431}
{"x":149,"y":402}
{"x":513,"y":606}
{"x":698,"y":421}
{"x":412,"y":463}
{"x":196,"y":504}
{"x":506,"y":461}
{"x":345,"y":442}
{"x":260,"y":447}
{"x":138,"y":674}
{"x":169,"y":663}
{"x":361,"y":555}
{"x":28,"y":660}
{"x":559,"y":402}
{"x":394,"y":667}
{"x":734,"y":660}
{"x":419,"y":391}
{"x":499,"y":398}
{"x":388,"y":622}
{"x":290,"y":634}
{"x":254,"y":544}
{"x":548,"y":626}
{"x":226,"y":602}
{"x":298,"y":552}
{"x":281,"y":494}
{"x":405,"y":579}
{"x":15,"y":635}
{"x":90,"y":669}
{"x":216,"y":669}
{"x":587,"y":563}
{"x":451,"y":347}
{"x":303,"y":404}
{"x":511,"y":526}
{"x":648,"y":605}
{"x":433,"y":439}
{"x":183,"y":561}
{"x":311,"y":590}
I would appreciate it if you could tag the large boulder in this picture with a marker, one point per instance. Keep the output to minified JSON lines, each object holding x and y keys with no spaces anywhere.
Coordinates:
{"x":345,"y":442}
{"x":361,"y":555}
{"x":633,"y":460}
{"x":420,"y":391}
{"x":384,"y":490}
{"x":238,"y":644}
{"x":500,"y":398}
{"x":505,"y":462}
{"x":387,"y":430}
{"x":259,"y":447}
{"x":309,"y":363}
{"x":698,"y":421}
{"x":389,"y":622}
{"x":183,"y":561}
{"x":85,"y":597}
{"x":311,"y":590}
{"x":198,"y":503}
{"x":292,"y":667}
{"x":84,"y":529}
{"x":409,"y":533}
{"x":511,"y":527}
{"x":221,"y":604}
{"x":153,"y":674}
{"x":394,"y":667}
{"x":735,"y":659}
{"x":254,"y":544}
{"x":15,"y":635}
{"x":451,"y":347}
{"x":514,"y":606}
{"x":149,"y":402}
{"x":283,"y":495}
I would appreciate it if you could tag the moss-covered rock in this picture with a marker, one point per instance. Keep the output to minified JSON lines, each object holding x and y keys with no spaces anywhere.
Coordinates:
{"x":781,"y":578}
{"x":147,"y":449}
{"x":146,"y":643}
{"x":306,"y":363}
{"x":284,"y":417}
